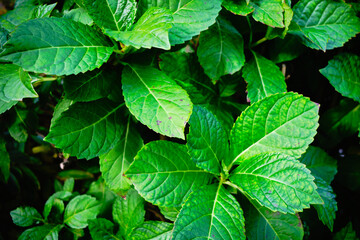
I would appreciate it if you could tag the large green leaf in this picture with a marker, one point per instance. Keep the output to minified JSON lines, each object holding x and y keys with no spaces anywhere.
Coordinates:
{"x":156,"y":100}
{"x":25,"y":216}
{"x":151,"y":30}
{"x":221,"y":50}
{"x":4,"y":161}
{"x":239,"y":7}
{"x":102,"y":229}
{"x":44,"y":232}
{"x":264,"y":78}
{"x":87,"y":130}
{"x":276,"y":181}
{"x":164,"y":173}
{"x":207,"y":141}
{"x":343,"y":72}
{"x":79,"y":210}
{"x":263,"y":224}
{"x":15,"y":84}
{"x":129,"y":212}
{"x":56,"y":46}
{"x":211,"y":212}
{"x":284,"y":122}
{"x":153,"y":230}
{"x":115,"y":163}
{"x":324,"y":24}
{"x":269,"y":12}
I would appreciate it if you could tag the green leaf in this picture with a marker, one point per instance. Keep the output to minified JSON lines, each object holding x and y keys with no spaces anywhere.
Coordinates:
{"x":61,"y":107}
{"x":319,"y":163}
{"x":114,"y":15}
{"x":102,"y":229}
{"x":343,"y":72}
{"x":79,"y":210}
{"x":151,"y":30}
{"x":276,"y":181}
{"x":56,"y":46}
{"x":87,"y":130}
{"x":156,"y":100}
{"x":221,"y":50}
{"x":79,"y":15}
{"x":15,"y":84}
{"x":4,"y":106}
{"x":287,"y":49}
{"x":25,"y":216}
{"x":19,"y":128}
{"x":269,"y":12}
{"x":170,"y":213}
{"x":44,"y":232}
{"x":129,"y":212}
{"x":207,"y":141}
{"x":89,"y":86}
{"x":324,"y":24}
{"x":164,"y":174}
{"x":261,"y":223}
{"x":239,"y":7}
{"x":4,"y":161}
{"x":14,"y":18}
{"x":43,"y":11}
{"x":212,"y":213}
{"x":69,"y":185}
{"x":264,"y":78}
{"x":284,"y":122}
{"x":115,"y":163}
{"x":61,"y":195}
{"x":153,"y":230}
{"x":346,"y":233}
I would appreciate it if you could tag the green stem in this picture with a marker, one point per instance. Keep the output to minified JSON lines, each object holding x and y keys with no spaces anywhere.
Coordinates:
{"x":250,"y":27}
{"x":259,"y":42}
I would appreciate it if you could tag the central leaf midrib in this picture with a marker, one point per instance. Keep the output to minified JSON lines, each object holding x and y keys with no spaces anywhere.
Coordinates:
{"x":213,"y":209}
{"x":260,"y":75}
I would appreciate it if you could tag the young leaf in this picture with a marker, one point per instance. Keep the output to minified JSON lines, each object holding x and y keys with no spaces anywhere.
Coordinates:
{"x":49,"y":231}
{"x":62,"y":195}
{"x":212,"y":213}
{"x":164,"y":174}
{"x":4,"y":161}
{"x":61,"y":107}
{"x":115,"y":163}
{"x":15,"y":84}
{"x":261,"y":223}
{"x":239,"y":7}
{"x":79,"y":210}
{"x":276,"y":181}
{"x":69,"y":185}
{"x":153,"y":230}
{"x":22,"y":124}
{"x":151,"y":30}
{"x":129,"y":212}
{"x":284,"y":122}
{"x":156,"y":100}
{"x":79,"y":15}
{"x":264,"y":78}
{"x":25,"y":216}
{"x":343,"y":72}
{"x":269,"y":12}
{"x":87,"y":130}
{"x":43,"y":11}
{"x":102,"y":229}
{"x":56,"y":46}
{"x":324,"y":24}
{"x":221,"y":50}
{"x":207,"y":141}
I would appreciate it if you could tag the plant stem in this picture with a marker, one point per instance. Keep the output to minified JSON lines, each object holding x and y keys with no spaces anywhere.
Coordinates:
{"x":250,"y":27}
{"x":259,"y":42}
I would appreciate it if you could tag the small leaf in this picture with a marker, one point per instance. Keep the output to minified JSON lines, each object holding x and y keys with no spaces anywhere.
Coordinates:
{"x":43,"y":11}
{"x":153,"y":230}
{"x":212,"y":213}
{"x":61,"y":195}
{"x":15,"y":84}
{"x":264,"y":78}
{"x":343,"y":72}
{"x":269,"y":12}
{"x":69,"y":185}
{"x":221,"y":50}
{"x":79,"y":210}
{"x":170,"y":213}
{"x":164,"y":174}
{"x":4,"y":161}
{"x":79,"y":15}
{"x":102,"y":229}
{"x":49,"y":231}
{"x":56,"y":46}
{"x":151,"y":30}
{"x":276,"y":181}
{"x":87,"y":130}
{"x":238,"y":7}
{"x":129,"y":212}
{"x":156,"y":100}
{"x":25,"y":216}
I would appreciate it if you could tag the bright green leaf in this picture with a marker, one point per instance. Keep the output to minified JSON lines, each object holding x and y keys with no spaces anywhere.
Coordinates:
{"x":170,"y":213}
{"x":221,"y":50}
{"x":4,"y":161}
{"x":43,"y":11}
{"x":284,"y":122}
{"x":239,"y":7}
{"x":269,"y":12}
{"x":102,"y":229}
{"x":264,"y":78}
{"x":278,"y":182}
{"x":211,"y":213}
{"x":164,"y":173}
{"x":69,"y":185}
{"x":56,"y":46}
{"x":343,"y":72}
{"x":153,"y":230}
{"x":87,"y":130}
{"x":18,"y":129}
{"x":79,"y":210}
{"x":207,"y":141}
{"x":156,"y":100}
{"x":44,"y":232}
{"x":61,"y":195}
{"x":25,"y":216}
{"x":79,"y":15}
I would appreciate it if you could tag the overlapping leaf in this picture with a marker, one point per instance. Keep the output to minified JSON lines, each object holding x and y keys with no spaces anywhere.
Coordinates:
{"x":79,"y":15}
{"x":156,"y":100}
{"x":56,"y":46}
{"x":153,"y":230}
{"x":269,"y":12}
{"x":14,"y":18}
{"x":25,"y":216}
{"x":239,"y":7}
{"x":164,"y":173}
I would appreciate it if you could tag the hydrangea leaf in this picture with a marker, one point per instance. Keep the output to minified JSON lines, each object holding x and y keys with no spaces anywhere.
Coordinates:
{"x":269,"y":12}
{"x":170,"y":213}
{"x":164,"y":174}
{"x":14,"y":18}
{"x":4,"y":106}
{"x":49,"y":231}
{"x":153,"y":230}
{"x":239,"y":7}
{"x":25,"y":216}
{"x":102,"y":229}
{"x":79,"y":15}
